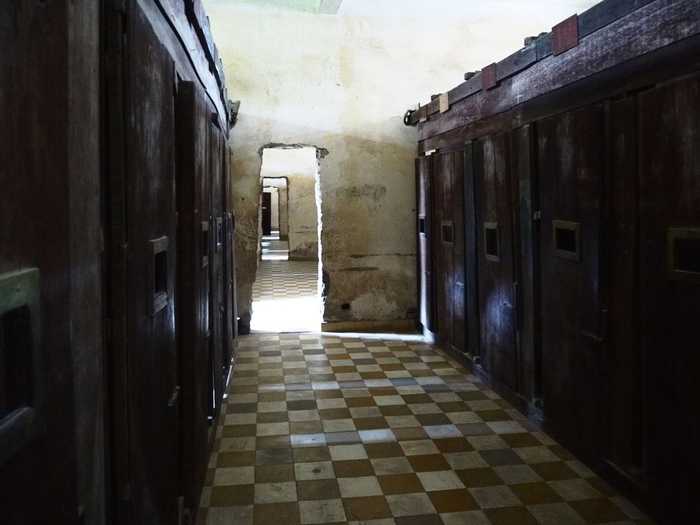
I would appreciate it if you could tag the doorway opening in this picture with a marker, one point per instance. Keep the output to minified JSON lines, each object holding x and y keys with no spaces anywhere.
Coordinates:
{"x":287,"y":291}
{"x":274,"y":211}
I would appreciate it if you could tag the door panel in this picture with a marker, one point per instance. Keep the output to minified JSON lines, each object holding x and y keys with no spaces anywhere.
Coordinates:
{"x":458,"y":286}
{"x":525,"y":208}
{"x":669,"y":269}
{"x":471,"y":253}
{"x":37,"y":425}
{"x":217,"y":266}
{"x":625,"y":362}
{"x":497,"y":301}
{"x":444,"y":258}
{"x":152,"y":348}
{"x":571,"y":164}
{"x":193,"y":296}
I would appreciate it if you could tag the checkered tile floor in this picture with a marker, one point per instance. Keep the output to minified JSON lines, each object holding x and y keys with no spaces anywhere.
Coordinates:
{"x":321,"y":430}
{"x":285,"y":279}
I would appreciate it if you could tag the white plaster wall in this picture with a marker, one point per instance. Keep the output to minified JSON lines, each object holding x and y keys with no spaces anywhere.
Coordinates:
{"x":275,"y":212}
{"x":343,"y":82}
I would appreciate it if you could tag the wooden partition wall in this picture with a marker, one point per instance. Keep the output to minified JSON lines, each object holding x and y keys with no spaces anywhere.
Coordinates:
{"x":117,"y":307}
{"x":574,"y":285}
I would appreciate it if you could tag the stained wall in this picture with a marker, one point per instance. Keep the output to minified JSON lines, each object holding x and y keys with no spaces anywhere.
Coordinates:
{"x":343,"y":82}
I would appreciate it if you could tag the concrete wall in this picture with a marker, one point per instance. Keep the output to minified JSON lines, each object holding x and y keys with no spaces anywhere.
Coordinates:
{"x":343,"y":82}
{"x":300,"y":167}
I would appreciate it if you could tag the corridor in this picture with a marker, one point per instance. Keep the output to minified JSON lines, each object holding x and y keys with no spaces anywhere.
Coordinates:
{"x":320,"y":430}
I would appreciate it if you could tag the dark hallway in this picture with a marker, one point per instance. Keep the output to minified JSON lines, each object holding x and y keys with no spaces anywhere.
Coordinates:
{"x":255,"y":269}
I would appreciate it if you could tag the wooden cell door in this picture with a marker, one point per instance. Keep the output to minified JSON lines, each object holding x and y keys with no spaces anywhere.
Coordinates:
{"x":571,"y":163}
{"x":526,"y":218}
{"x":497,"y":278}
{"x":448,"y":243}
{"x":669,"y":292}
{"x":443,"y":241}
{"x":193,"y":286}
{"x":142,"y":274}
{"x":218,"y":217}
{"x":266,"y":213}
{"x":38,"y":478}
{"x":230,"y":317}
{"x":424,"y":229}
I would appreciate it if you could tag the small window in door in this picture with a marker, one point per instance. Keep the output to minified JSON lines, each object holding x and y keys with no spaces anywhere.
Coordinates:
{"x":684,"y":253}
{"x":16,"y":367}
{"x":159,"y":292}
{"x":567,"y":240}
{"x":204,"y":247}
{"x":22,"y":376}
{"x":492,"y":242}
{"x":448,"y":234}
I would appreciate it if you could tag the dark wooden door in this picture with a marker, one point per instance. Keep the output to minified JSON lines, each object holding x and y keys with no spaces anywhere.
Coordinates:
{"x":471,"y":254}
{"x":571,"y":163}
{"x":153,"y":389}
{"x":458,"y":336}
{"x":624,"y":363}
{"x":230,"y":321}
{"x":37,"y":424}
{"x":424,"y":228}
{"x":669,"y":275}
{"x":497,"y":283}
{"x":526,"y":218}
{"x":266,"y":213}
{"x":193,"y":286}
{"x":217,"y":266}
{"x":443,"y":192}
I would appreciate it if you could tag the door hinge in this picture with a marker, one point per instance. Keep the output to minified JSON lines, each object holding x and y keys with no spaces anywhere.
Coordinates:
{"x":537,"y":215}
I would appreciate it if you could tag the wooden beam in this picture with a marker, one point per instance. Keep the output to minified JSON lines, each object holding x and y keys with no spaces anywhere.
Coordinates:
{"x":658,"y":24}
{"x":592,"y":20}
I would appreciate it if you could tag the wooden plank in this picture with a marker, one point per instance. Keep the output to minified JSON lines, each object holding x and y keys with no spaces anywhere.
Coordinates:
{"x":669,"y":196}
{"x":678,"y":59}
{"x":605,"y":13}
{"x":565,"y":35}
{"x":625,"y":362}
{"x":527,"y":204}
{"x":173,"y":30}
{"x":516,"y":62}
{"x":650,"y":28}
{"x":471,"y":254}
{"x":458,"y":257}
{"x":489,"y":77}
{"x":595,"y":18}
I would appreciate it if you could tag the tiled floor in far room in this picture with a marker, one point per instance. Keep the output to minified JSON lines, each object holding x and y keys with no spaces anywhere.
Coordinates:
{"x":285,"y":293}
{"x":327,"y":430}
